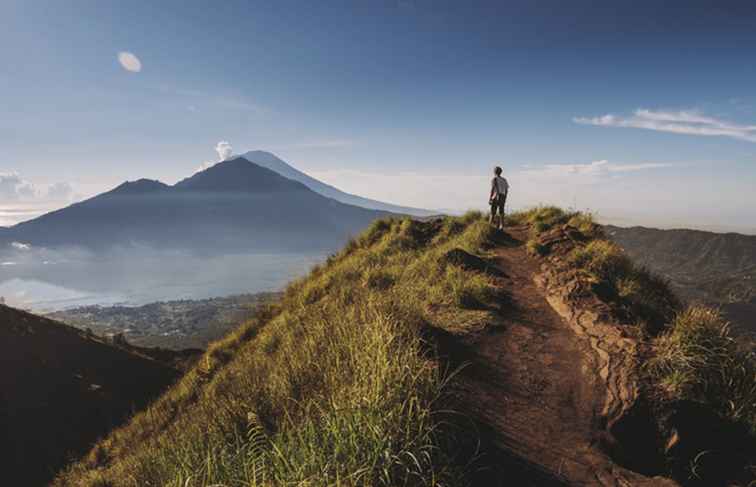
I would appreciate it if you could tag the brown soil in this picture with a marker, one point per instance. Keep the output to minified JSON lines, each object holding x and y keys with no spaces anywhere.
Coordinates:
{"x":531,"y":385}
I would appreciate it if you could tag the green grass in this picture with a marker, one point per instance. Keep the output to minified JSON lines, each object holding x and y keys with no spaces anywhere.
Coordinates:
{"x":333,"y":385}
{"x":541,"y":219}
{"x":697,"y":359}
{"x":640,"y":295}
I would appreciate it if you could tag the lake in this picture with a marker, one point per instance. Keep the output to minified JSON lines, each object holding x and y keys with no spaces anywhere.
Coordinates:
{"x":45,"y":284}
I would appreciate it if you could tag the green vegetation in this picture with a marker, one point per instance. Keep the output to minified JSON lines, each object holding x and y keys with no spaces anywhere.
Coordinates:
{"x":693,"y":356}
{"x":697,"y":359}
{"x":333,"y":385}
{"x":337,"y":383}
{"x":543,"y":218}
{"x":637,"y":294}
{"x":641,"y":295}
{"x":177,"y":325}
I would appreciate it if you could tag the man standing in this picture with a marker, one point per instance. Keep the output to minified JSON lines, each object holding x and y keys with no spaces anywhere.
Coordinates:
{"x":498,"y":198}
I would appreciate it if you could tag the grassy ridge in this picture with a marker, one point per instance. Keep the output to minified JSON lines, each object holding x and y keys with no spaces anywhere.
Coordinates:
{"x":335,"y":385}
{"x":637,"y":294}
{"x":693,"y":357}
{"x":331,"y":386}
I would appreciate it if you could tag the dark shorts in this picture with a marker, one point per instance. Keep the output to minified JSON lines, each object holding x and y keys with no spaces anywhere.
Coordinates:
{"x":497,"y":205}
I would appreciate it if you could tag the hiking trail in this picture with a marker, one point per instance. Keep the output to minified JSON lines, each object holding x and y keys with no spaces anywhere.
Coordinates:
{"x":529,"y":381}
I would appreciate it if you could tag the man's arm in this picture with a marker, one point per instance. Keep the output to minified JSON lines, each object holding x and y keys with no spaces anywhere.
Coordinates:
{"x":493,"y":190}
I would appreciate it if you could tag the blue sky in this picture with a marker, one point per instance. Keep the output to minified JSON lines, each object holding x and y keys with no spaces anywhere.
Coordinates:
{"x":642,"y":113}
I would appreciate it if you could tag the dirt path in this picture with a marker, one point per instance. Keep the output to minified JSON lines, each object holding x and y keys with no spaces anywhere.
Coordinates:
{"x":528,"y":385}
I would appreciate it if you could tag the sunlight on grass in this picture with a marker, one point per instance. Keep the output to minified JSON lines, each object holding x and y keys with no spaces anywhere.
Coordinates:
{"x":333,"y":385}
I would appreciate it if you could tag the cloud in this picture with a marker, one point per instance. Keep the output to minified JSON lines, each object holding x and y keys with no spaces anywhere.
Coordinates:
{"x":20,"y":246}
{"x":688,"y":122}
{"x":224,"y":150}
{"x":585,"y":173}
{"x":550,"y":183}
{"x":14,"y":188}
{"x":129,"y":61}
{"x":60,"y":192}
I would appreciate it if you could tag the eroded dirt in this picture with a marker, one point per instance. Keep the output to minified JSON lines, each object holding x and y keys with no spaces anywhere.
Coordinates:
{"x":537,"y":388}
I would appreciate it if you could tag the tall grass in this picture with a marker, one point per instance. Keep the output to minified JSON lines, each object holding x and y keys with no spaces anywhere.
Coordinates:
{"x":641,"y":294}
{"x":638,"y":294}
{"x":543,"y":218}
{"x":334,"y":385}
{"x":697,"y":359}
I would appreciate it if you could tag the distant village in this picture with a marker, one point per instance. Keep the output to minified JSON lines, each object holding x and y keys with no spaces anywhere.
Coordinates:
{"x":176,"y":324}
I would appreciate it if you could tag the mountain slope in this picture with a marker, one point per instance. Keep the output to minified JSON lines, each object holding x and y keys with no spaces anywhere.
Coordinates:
{"x":60,"y":390}
{"x":352,"y":378}
{"x":697,"y":262}
{"x":272,"y":162}
{"x":233,"y":205}
{"x":716,"y":268}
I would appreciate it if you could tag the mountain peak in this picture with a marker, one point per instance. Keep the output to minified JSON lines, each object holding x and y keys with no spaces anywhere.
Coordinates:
{"x":239,"y":175}
{"x":140,"y":186}
{"x":274,"y":163}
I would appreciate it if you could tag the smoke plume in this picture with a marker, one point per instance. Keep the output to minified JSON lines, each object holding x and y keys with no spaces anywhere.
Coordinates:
{"x":224,"y":150}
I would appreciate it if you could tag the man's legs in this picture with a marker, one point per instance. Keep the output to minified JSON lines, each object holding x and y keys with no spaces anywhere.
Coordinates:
{"x":498,"y":212}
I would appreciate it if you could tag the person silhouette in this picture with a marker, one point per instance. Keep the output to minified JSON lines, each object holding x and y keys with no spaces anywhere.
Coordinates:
{"x":498,"y":198}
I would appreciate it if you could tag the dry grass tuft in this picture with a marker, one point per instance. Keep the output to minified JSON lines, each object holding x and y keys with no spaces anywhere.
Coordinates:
{"x":697,"y":359}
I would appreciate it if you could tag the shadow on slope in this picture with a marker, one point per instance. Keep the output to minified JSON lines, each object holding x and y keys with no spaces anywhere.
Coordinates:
{"x":62,"y":389}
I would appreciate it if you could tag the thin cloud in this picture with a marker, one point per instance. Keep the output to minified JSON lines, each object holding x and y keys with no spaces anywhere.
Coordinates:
{"x":551,"y":183}
{"x":129,"y":61}
{"x":14,"y":188}
{"x":585,"y":173}
{"x":326,"y":144}
{"x":688,"y":122}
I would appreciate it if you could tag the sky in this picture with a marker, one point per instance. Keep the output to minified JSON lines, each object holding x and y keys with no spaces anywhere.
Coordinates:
{"x":641,"y":112}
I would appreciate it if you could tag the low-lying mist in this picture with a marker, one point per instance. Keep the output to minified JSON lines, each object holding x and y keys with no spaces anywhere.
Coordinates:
{"x":44,"y":279}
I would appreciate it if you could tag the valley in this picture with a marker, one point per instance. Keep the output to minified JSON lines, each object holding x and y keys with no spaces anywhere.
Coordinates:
{"x":176,"y":325}
{"x":713,"y":268}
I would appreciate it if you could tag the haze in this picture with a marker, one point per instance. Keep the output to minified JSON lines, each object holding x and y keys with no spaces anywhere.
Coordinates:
{"x":640,"y":112}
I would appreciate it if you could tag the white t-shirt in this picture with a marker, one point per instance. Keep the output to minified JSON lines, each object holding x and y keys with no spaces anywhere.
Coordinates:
{"x":499,"y":185}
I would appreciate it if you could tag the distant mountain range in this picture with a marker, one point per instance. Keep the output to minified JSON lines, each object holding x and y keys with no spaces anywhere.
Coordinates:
{"x":61,"y":389}
{"x":715,"y":268}
{"x":272,"y":162}
{"x":235,"y":204}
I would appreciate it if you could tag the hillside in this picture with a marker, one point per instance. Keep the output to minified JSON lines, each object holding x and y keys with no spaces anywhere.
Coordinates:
{"x":231,"y":206}
{"x":272,"y":162}
{"x":444,"y":353}
{"x":62,"y":389}
{"x":716,"y":268}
